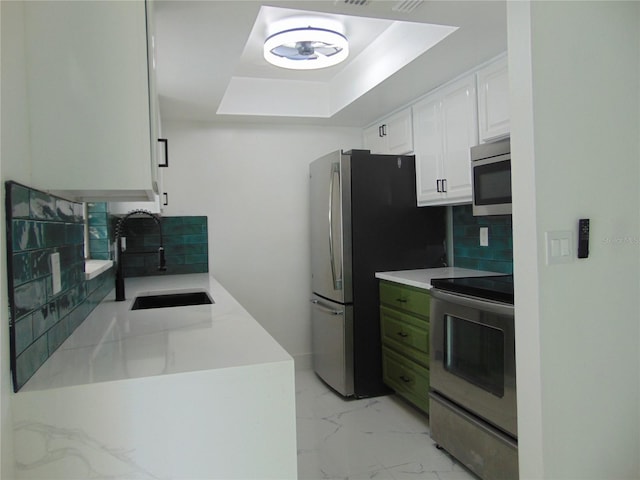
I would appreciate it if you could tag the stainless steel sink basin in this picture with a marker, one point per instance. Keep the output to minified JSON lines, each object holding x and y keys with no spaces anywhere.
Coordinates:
{"x":182,"y":299}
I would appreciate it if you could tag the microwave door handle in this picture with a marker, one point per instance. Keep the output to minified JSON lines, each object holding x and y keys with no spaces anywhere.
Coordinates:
{"x":335,"y":174}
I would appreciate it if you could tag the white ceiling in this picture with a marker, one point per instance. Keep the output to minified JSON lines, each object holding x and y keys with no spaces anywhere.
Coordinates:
{"x":209,"y":58}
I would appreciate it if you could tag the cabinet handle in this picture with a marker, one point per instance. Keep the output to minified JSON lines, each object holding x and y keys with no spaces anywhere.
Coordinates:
{"x":401,"y":300}
{"x":405,"y":379}
{"x":380,"y":131}
{"x":444,"y":185}
{"x":166,"y":152}
{"x":403,"y":334}
{"x":384,"y":130}
{"x":438,"y":186}
{"x":166,"y":199}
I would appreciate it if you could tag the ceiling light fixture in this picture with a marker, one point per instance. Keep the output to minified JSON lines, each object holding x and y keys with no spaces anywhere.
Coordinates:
{"x":306,"y":48}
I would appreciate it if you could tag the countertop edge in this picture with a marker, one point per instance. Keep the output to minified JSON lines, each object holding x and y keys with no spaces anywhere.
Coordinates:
{"x":421,"y":278}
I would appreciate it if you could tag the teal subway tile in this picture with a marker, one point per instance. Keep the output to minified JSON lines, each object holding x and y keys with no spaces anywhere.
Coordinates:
{"x":29,"y":296}
{"x":191,"y":239}
{"x":31,"y":359}
{"x":131,"y":261}
{"x":98,"y":246}
{"x":41,"y":263}
{"x":188,"y":229}
{"x":100,"y":255}
{"x":55,"y":234}
{"x":175,"y":259}
{"x":502,"y":255}
{"x":74,"y":234}
{"x":57,"y":334}
{"x":201,"y":258}
{"x":19,"y":201}
{"x":27,"y":235}
{"x":98,"y":232}
{"x":97,"y":219}
{"x":64,"y":210}
{"x":172,"y":222}
{"x":184,"y":269}
{"x":44,"y":318}
{"x":21,"y":266}
{"x":153,"y":240}
{"x":43,"y":206}
{"x":97,"y":207}
{"x":200,"y":220}
{"x":78,"y":212}
{"x":23,"y":333}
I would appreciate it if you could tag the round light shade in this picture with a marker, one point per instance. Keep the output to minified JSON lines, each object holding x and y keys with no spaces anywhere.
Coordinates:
{"x":306,"y":48}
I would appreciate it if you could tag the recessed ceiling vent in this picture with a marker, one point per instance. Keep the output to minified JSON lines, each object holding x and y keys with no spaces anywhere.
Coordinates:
{"x":407,"y":6}
{"x":358,"y":3}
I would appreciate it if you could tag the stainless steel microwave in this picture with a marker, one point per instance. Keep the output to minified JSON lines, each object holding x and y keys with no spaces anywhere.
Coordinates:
{"x":491,"y":174}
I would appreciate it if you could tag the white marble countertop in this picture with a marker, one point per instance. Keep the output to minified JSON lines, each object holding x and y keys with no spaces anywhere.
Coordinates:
{"x":422,"y":278}
{"x":115,"y":343}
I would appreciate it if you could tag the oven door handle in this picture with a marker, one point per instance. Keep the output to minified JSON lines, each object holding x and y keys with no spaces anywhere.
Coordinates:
{"x":472,"y":302}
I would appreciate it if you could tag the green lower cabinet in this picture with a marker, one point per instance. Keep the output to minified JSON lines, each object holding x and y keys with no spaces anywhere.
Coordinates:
{"x":407,"y":378}
{"x":404,"y":325}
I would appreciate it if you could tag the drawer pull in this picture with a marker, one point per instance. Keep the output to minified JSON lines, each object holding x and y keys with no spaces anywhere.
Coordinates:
{"x":403,"y":334}
{"x":405,"y":379}
{"x":401,"y":300}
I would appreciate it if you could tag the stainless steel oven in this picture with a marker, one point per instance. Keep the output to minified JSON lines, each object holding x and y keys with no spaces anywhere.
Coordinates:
{"x":473,"y":411}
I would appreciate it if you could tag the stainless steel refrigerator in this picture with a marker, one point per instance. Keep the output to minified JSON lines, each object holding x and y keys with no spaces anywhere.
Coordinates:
{"x":364,"y":219}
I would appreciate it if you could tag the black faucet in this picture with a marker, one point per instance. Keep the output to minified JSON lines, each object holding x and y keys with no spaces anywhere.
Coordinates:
{"x":120,"y":259}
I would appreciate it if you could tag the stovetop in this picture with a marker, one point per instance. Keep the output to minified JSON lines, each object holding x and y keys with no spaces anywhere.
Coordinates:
{"x":497,"y":288}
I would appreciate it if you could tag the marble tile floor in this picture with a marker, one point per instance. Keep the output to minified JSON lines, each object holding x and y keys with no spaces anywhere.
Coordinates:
{"x":381,"y":438}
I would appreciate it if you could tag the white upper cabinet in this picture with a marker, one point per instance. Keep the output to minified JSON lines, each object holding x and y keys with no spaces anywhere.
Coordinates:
{"x":91,"y":88}
{"x":393,"y":135}
{"x":445,"y":129}
{"x":493,"y":101}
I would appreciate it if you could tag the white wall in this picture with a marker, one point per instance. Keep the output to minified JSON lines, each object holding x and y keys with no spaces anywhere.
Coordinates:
{"x":15,"y":165}
{"x":251,"y":181}
{"x":575,"y":80}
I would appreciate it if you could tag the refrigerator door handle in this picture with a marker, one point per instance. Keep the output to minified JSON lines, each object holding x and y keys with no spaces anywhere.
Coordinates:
{"x":326,"y":309}
{"x":335,"y":173}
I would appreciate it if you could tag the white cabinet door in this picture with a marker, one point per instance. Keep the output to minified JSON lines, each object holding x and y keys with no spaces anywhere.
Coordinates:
{"x":373,"y":139}
{"x":493,"y":101}
{"x":445,"y":129}
{"x":393,"y":135}
{"x":428,"y":151}
{"x":460,"y":133}
{"x":398,"y":130}
{"x":88,"y":87}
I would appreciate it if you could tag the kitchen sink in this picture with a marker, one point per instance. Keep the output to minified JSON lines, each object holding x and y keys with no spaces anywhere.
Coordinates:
{"x":182,"y":299}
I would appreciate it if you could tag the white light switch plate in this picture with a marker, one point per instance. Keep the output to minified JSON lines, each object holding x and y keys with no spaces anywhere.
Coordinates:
{"x":559,"y":247}
{"x":55,"y":272}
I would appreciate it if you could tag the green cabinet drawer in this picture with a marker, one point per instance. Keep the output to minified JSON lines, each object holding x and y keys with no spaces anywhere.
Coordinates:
{"x":407,"y":378}
{"x":405,"y":333}
{"x":410,"y":299}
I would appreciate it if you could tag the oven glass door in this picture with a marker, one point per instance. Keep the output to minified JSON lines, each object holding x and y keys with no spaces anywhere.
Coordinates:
{"x":475,"y":353}
{"x":473,"y":356}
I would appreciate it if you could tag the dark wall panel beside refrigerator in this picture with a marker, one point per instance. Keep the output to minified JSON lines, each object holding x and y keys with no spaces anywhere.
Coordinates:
{"x":385,"y":231}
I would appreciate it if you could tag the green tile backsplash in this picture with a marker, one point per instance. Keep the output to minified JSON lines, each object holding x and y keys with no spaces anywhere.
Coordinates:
{"x":467,"y":252}
{"x":39,"y":224}
{"x":185,"y":241}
